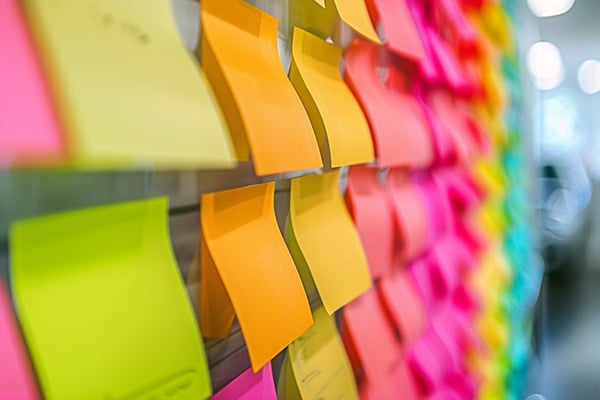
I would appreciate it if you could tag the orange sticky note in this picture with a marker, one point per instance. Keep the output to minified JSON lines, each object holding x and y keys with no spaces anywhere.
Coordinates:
{"x":398,"y":124}
{"x":254,"y":268}
{"x":400,"y":31}
{"x":337,"y":119}
{"x":369,"y":339}
{"x":370,"y":211}
{"x":263,"y":111}
{"x":28,"y":128}
{"x":328,"y":240}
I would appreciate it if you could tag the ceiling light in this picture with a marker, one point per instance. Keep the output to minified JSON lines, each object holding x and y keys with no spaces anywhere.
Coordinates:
{"x":549,"y":8}
{"x":545,"y":65}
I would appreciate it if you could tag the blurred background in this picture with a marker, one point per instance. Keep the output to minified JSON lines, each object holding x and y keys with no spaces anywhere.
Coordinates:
{"x":561,"y":53}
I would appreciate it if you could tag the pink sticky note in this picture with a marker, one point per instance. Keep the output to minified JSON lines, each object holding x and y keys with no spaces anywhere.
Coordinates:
{"x":464,"y":193}
{"x":428,"y":71}
{"x":16,"y":377}
{"x":250,"y":386}
{"x":454,"y":119}
{"x":427,"y":282}
{"x":466,"y":37}
{"x":399,"y":28}
{"x":370,"y":211}
{"x":399,"y":127}
{"x":368,"y":337}
{"x":29,"y":132}
{"x":430,"y":361}
{"x":405,"y":306}
{"x":438,"y":208}
{"x":448,"y":63}
{"x":409,"y":213}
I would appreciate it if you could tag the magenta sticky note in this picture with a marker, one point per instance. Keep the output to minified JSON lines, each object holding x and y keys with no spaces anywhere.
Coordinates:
{"x":430,"y":362}
{"x":29,"y":132}
{"x":16,"y":377}
{"x":250,"y":386}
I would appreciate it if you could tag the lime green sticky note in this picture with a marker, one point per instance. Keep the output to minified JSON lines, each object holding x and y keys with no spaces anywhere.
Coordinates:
{"x":102,"y":305}
{"x":127,"y":91}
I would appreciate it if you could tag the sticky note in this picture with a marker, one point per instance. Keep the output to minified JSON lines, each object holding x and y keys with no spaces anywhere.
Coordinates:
{"x":398,"y":125}
{"x":103,"y":308}
{"x":263,"y":111}
{"x":450,"y":67}
{"x":356,"y":15}
{"x":318,"y":364}
{"x":465,"y":35}
{"x":250,"y":386}
{"x":16,"y":377}
{"x":368,"y":205}
{"x":410,"y":215}
{"x":328,"y":240}
{"x":23,"y":139}
{"x":369,"y":338}
{"x":337,"y":119}
{"x":398,"y":384}
{"x":128,"y":92}
{"x":318,"y":17}
{"x":400,"y":31}
{"x":430,"y":361}
{"x":455,"y":126}
{"x":260,"y":280}
{"x":405,"y":307}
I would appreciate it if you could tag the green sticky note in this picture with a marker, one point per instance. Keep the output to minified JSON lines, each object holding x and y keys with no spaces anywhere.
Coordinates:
{"x":103,"y":308}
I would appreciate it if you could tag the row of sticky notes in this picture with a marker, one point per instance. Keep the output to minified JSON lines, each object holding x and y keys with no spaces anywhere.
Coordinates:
{"x":121,"y":91}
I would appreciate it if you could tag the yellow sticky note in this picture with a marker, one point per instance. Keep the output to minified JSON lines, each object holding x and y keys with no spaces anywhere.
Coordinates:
{"x":328,"y":239}
{"x":337,"y":119}
{"x":249,"y":257}
{"x":315,"y":16}
{"x":319,"y":361}
{"x":356,"y":15}
{"x":263,"y":111}
{"x":127,"y":91}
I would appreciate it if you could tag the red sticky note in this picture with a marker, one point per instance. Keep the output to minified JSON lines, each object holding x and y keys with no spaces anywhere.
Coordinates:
{"x":456,"y":125}
{"x":29,"y":132}
{"x":16,"y":378}
{"x":368,"y":336}
{"x":398,"y":125}
{"x":405,"y":306}
{"x":399,"y":384}
{"x":250,"y":386}
{"x":370,"y":211}
{"x":399,"y":28}
{"x":409,"y":213}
